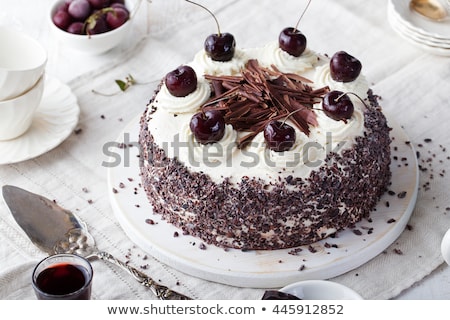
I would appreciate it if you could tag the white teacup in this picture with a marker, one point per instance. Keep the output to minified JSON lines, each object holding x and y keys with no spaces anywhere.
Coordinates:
{"x":22,"y":63}
{"x":16,"y":114}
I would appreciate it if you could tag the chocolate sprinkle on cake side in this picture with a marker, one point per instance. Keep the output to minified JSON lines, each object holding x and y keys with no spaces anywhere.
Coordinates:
{"x":292,"y":212}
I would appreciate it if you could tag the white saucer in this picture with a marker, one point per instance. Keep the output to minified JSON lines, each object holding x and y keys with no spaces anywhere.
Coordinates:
{"x":428,"y":46}
{"x":54,"y":121}
{"x":321,"y":290}
{"x":416,"y":36}
{"x":437,"y":30}
{"x":258,"y":268}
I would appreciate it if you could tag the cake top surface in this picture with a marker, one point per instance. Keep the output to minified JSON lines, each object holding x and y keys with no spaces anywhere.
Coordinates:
{"x":260,"y":88}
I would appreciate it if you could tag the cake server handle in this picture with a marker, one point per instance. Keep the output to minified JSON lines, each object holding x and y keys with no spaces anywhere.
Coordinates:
{"x":161,"y":292}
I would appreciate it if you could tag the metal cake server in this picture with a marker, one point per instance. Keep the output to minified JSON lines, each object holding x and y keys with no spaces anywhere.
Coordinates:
{"x":54,"y":229}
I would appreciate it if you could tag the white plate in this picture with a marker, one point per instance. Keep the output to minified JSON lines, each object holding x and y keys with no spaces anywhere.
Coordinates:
{"x":416,"y":39}
{"x":258,"y":268}
{"x":55,"y":118}
{"x":439,"y":30}
{"x":396,"y":20}
{"x":321,"y":290}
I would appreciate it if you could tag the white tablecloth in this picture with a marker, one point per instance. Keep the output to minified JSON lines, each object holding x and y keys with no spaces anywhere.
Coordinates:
{"x":413,"y":86}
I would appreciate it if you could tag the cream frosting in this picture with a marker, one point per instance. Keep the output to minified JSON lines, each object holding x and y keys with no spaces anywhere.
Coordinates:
{"x":271,"y":54}
{"x":322,"y":78}
{"x":188,"y":104}
{"x":169,"y":125}
{"x":212,"y":154}
{"x":203,"y":64}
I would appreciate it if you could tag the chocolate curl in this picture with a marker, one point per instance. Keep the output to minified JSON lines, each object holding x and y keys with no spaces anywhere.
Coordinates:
{"x":259,"y":95}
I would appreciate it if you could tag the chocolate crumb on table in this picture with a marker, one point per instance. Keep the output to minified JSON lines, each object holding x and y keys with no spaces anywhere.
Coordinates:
{"x":402,"y":194}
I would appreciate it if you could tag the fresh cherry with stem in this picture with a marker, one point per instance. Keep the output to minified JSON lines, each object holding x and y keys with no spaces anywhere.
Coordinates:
{"x":337,"y":105}
{"x":291,"y":40}
{"x":218,"y":46}
{"x":208,"y":127}
{"x":279,"y":136}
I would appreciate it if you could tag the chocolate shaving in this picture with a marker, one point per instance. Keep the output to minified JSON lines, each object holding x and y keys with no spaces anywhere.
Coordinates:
{"x":259,"y":95}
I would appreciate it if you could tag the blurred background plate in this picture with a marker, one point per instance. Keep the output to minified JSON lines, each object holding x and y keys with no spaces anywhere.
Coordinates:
{"x":438,"y":30}
{"x":425,"y":42}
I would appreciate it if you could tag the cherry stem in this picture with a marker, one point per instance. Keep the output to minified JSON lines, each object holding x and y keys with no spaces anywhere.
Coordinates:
{"x":295,"y":111}
{"x":352,"y":93}
{"x":212,"y":14}
{"x":303,"y":13}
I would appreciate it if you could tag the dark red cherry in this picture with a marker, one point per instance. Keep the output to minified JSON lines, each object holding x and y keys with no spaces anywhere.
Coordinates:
{"x":181,"y":81}
{"x":344,"y":67}
{"x":76,"y":27}
{"x":99,"y":4}
{"x":337,"y":105}
{"x":292,"y":41}
{"x":117,"y":17}
{"x":208,"y":127}
{"x":220,"y":47}
{"x":96,"y":24}
{"x":279,"y":136}
{"x":79,"y":9}
{"x":62,"y":19}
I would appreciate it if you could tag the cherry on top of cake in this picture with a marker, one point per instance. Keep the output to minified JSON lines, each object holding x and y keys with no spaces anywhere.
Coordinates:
{"x":291,"y":40}
{"x":262,"y":99}
{"x":218,"y":46}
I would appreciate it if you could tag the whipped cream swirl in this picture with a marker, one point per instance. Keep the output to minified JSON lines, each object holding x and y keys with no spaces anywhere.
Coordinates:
{"x":187,"y":104}
{"x":203,"y":64}
{"x":323,"y":78}
{"x":340,"y":132}
{"x":286,"y":63}
{"x":209,"y":155}
{"x":305,"y":154}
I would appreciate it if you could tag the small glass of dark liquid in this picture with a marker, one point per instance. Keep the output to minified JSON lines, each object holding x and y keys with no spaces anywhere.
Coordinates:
{"x":63,"y":277}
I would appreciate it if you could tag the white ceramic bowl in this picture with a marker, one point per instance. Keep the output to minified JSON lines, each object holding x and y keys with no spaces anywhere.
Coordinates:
{"x":93,"y":44}
{"x":16,"y":115}
{"x":320,"y":290}
{"x":22,"y":62}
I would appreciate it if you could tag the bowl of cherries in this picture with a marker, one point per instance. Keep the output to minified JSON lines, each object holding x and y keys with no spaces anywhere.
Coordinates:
{"x":90,"y":26}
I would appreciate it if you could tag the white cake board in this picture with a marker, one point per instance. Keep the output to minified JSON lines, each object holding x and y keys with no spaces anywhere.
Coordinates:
{"x":259,"y":268}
